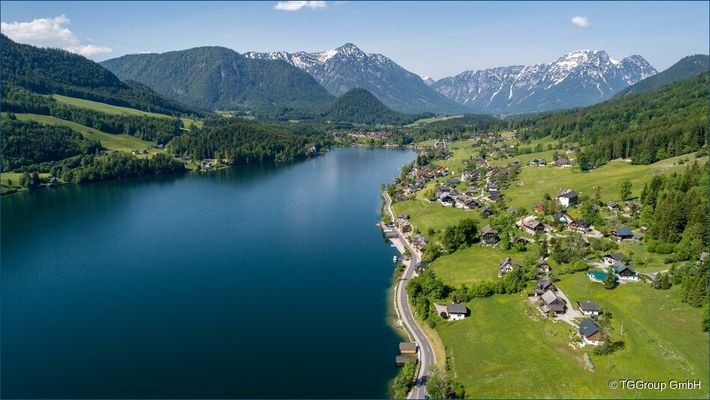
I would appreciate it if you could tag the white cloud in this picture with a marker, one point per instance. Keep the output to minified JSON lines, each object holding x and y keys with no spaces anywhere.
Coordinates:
{"x":582,"y":22}
{"x":50,"y":32}
{"x":298,"y":5}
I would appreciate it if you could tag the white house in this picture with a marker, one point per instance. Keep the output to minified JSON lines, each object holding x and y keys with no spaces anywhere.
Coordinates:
{"x":589,"y":308}
{"x":456,"y":311}
{"x":567,"y":198}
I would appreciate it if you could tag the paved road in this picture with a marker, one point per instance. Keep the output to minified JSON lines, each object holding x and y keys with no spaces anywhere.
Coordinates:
{"x":426,"y":353}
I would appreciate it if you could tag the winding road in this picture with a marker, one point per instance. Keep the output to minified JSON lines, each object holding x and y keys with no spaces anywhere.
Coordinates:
{"x":426,"y":352}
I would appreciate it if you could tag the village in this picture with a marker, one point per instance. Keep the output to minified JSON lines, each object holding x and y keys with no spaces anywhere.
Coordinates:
{"x":479,"y":188}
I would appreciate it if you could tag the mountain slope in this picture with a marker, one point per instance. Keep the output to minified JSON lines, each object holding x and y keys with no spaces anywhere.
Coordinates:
{"x":576,"y":79}
{"x":348,"y":67}
{"x":683,"y":69}
{"x":645,"y":127}
{"x":361,"y":107}
{"x":48,"y":71}
{"x":220,"y":78}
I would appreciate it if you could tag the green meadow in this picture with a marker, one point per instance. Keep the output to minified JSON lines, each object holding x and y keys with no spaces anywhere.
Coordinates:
{"x":506,"y":350}
{"x":124,"y":143}
{"x":115,"y":110}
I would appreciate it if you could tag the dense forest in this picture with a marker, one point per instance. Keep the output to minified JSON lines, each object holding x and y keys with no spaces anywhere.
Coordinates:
{"x":27,"y":143}
{"x":58,"y":71}
{"x":645,"y":127}
{"x":361,"y":107}
{"x":242,"y":141}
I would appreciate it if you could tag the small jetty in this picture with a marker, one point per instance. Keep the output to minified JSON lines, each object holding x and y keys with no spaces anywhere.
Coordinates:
{"x":395,"y":259}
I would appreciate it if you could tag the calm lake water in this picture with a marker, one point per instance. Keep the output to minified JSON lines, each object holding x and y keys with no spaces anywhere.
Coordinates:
{"x":248,"y":282}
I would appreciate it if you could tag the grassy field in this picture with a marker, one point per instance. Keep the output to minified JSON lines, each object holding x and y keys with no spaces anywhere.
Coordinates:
{"x":124,"y":143}
{"x":111,"y":109}
{"x":474,"y":264}
{"x":426,"y":215}
{"x":505,"y":349}
{"x":10,"y":182}
{"x":534,"y":182}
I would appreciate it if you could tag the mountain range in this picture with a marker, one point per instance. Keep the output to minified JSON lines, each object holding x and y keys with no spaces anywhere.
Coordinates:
{"x":347,"y":67}
{"x":576,"y":79}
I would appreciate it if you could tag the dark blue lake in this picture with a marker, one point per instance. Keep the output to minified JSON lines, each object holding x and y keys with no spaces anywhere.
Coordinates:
{"x":257,"y":281}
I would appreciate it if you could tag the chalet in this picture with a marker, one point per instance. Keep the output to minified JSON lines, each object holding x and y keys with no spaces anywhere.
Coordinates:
{"x":446,"y":200}
{"x":543,"y":267}
{"x":625,"y":273}
{"x":580,"y":226}
{"x":612,"y":259}
{"x":419,"y":241}
{"x":622,"y":233}
{"x":552,"y":303}
{"x":590,"y":333}
{"x":489,"y":235}
{"x":456,"y":311}
{"x":507,"y":265}
{"x":494,"y":195}
{"x":543,"y":285}
{"x":487,"y":212}
{"x":470,"y":203}
{"x":538,"y":162}
{"x":402,"y":219}
{"x":452,"y":182}
{"x":563,"y":163}
{"x":567,"y":198}
{"x":531,"y":225}
{"x":612,"y":206}
{"x":420,"y":267}
{"x":562,"y":217}
{"x":589,"y":308}
{"x":407,"y":348}
{"x":405,"y":228}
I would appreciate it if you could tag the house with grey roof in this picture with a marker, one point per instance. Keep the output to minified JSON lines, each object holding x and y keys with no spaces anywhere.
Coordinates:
{"x":589,"y":308}
{"x":590,"y":333}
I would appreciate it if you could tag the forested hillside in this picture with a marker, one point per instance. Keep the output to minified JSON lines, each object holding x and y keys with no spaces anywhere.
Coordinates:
{"x":58,"y":71}
{"x":645,"y":127}
{"x":218,"y":78}
{"x":241,"y":141}
{"x":683,"y":69}
{"x":361,"y":107}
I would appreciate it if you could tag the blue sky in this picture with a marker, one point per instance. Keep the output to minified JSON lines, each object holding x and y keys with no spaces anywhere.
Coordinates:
{"x":429,"y":38}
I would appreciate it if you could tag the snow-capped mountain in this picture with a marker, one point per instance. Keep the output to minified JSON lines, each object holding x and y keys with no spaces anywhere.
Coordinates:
{"x":428,"y":80}
{"x":576,"y":79}
{"x":348,"y":67}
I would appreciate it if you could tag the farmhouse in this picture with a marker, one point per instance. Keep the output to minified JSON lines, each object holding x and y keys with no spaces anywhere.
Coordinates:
{"x":625,"y":273}
{"x":507,"y":265}
{"x":489,"y":235}
{"x":580,"y":226}
{"x":590,"y":333}
{"x":567,"y":198}
{"x":543,"y":285}
{"x":543,"y":267}
{"x":563,"y":163}
{"x":552,"y":303}
{"x":456,"y":311}
{"x":562,"y":217}
{"x":589,"y":308}
{"x":614,"y":258}
{"x":446,"y":200}
{"x":622,"y":233}
{"x":419,"y":241}
{"x":531,"y":225}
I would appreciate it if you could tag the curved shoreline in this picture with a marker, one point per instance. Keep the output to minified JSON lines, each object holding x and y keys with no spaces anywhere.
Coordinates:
{"x":406,"y":317}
